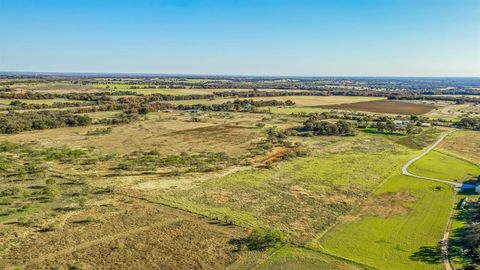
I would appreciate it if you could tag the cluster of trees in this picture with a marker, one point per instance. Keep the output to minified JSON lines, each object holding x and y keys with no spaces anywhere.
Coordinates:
{"x":161,"y":97}
{"x":390,"y":127}
{"x":17,"y":122}
{"x":44,"y":95}
{"x":314,"y":127}
{"x":99,"y":131}
{"x":381,"y":122}
{"x":261,"y":239}
{"x":121,"y":118}
{"x":19,"y":105}
{"x":91,"y":96}
{"x":262,"y":103}
{"x":246,"y":105}
{"x":468,"y":123}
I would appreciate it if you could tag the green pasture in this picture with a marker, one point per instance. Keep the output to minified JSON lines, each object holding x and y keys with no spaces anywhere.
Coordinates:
{"x":399,"y":242}
{"x":440,"y":165}
{"x":300,"y":258}
{"x":292,"y":195}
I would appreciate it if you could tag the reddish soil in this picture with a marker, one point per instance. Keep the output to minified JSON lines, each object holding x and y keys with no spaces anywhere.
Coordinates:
{"x":384,"y":106}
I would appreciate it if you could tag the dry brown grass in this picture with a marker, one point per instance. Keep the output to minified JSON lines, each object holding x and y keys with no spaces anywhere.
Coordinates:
{"x":451,"y":111}
{"x":167,"y":133}
{"x":386,"y":204}
{"x":463,"y":143}
{"x":126,"y":234}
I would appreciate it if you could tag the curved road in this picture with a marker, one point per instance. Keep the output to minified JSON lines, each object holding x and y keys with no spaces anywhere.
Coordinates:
{"x":444,"y":242}
{"x":405,"y":167}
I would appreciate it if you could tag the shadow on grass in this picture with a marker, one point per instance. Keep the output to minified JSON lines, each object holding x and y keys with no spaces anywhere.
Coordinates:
{"x":457,"y":243}
{"x":428,"y":254}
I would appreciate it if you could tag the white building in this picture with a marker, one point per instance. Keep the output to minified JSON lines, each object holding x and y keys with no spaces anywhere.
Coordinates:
{"x":401,"y":123}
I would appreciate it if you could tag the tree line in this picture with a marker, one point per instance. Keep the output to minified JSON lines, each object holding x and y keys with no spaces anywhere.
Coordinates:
{"x":13,"y":122}
{"x":315,"y":126}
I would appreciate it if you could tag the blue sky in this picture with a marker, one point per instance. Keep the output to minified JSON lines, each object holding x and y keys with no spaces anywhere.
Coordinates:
{"x":249,"y":37}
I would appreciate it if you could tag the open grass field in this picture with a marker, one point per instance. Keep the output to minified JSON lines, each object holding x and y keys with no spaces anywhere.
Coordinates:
{"x":384,"y":106}
{"x":463,"y":143}
{"x":38,"y":101}
{"x":443,"y":166}
{"x":295,"y":109}
{"x":451,"y":111}
{"x":176,"y":92}
{"x":402,"y":241}
{"x":54,"y":87}
{"x":114,"y":233}
{"x":298,"y":258}
{"x":291,"y":196}
{"x":150,"y":189}
{"x":170,"y":132}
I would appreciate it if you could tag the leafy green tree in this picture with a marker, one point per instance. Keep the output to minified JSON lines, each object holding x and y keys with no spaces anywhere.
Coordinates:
{"x":380,"y":126}
{"x":390,"y":126}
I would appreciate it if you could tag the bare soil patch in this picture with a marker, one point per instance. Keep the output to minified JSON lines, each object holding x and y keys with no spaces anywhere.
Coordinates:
{"x":274,"y":155}
{"x":387,"y":204}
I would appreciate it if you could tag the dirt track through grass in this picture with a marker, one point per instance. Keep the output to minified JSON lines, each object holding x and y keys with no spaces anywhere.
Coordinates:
{"x":102,"y":240}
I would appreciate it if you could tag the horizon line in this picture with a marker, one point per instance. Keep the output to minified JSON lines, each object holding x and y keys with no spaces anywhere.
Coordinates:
{"x":152,"y":74}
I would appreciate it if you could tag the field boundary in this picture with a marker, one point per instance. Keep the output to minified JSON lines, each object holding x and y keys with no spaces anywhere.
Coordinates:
{"x":326,"y":252}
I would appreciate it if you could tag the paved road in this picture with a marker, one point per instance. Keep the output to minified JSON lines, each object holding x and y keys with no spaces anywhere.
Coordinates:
{"x":444,"y":242}
{"x":405,"y":167}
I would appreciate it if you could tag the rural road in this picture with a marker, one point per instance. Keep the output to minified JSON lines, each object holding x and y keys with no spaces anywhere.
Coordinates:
{"x":444,"y":242}
{"x":410,"y":162}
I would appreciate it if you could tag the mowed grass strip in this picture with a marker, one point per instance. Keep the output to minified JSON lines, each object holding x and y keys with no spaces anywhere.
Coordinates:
{"x":446,"y":167}
{"x":407,"y":241}
{"x":300,"y":258}
{"x":384,"y":106}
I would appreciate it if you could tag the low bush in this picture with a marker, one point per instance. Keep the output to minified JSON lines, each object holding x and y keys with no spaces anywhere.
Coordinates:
{"x":261,"y":239}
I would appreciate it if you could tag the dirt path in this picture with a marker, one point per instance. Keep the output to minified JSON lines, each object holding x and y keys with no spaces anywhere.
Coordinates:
{"x":444,"y":242}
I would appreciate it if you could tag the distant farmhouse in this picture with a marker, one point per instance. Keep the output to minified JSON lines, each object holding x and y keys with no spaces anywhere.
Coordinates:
{"x":401,"y":123}
{"x":193,"y":111}
{"x":404,"y":123}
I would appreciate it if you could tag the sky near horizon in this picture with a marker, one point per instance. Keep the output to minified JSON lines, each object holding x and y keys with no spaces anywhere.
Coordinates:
{"x":249,"y":37}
